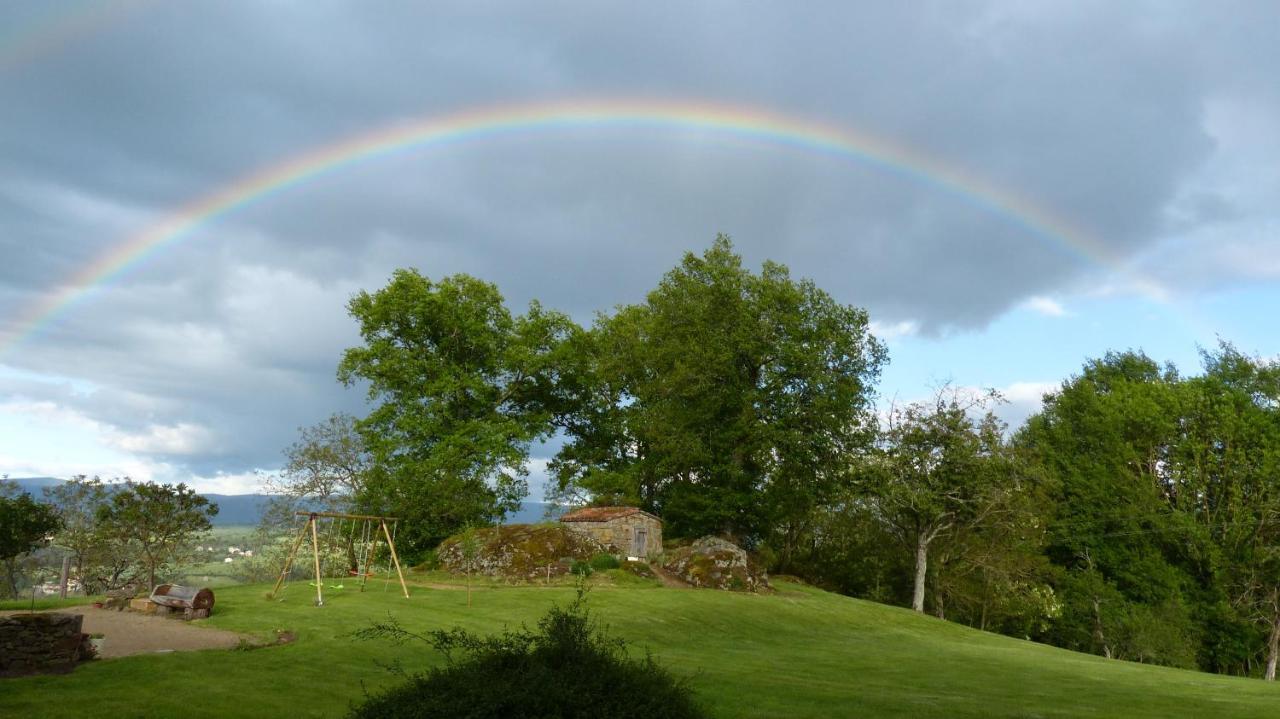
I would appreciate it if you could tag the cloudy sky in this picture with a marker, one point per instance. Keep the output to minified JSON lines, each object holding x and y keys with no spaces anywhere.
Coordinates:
{"x":1150,"y":130}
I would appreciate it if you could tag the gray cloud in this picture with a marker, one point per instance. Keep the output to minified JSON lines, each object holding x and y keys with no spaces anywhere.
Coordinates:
{"x":1127,"y":122}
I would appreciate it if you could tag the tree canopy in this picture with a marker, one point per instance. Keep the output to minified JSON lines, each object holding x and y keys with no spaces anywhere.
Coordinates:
{"x":160,"y":520}
{"x":728,"y":401}
{"x":461,"y":387}
{"x":24,"y":525}
{"x":1136,"y":515}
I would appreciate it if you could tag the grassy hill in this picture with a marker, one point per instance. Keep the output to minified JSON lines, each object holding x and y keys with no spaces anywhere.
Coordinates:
{"x":797,"y":653}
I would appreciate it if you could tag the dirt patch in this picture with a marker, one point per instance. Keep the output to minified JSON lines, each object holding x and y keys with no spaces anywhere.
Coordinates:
{"x":129,"y":633}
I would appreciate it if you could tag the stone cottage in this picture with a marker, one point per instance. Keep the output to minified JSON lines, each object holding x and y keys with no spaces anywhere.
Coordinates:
{"x":629,"y":530}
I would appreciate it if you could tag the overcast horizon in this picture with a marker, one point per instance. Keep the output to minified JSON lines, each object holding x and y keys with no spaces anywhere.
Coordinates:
{"x":1150,"y":132}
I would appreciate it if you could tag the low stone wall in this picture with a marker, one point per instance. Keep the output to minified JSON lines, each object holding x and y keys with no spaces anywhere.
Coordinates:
{"x":45,"y":642}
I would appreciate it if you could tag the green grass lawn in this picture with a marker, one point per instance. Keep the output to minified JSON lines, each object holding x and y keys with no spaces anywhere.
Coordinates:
{"x":212,"y":574}
{"x":797,"y":653}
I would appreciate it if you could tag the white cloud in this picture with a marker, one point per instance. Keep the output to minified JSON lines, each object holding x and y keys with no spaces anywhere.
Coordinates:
{"x":1028,"y":392}
{"x":1046,"y":306}
{"x":229,"y":483}
{"x":178,"y":439}
{"x":888,"y":331}
{"x":1023,"y":400}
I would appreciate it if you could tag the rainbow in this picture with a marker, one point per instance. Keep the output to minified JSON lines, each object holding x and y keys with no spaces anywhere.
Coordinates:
{"x":755,"y":125}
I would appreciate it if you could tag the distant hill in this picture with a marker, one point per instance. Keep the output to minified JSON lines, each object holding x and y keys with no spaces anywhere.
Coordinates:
{"x":238,"y":508}
{"x":242,"y":509}
{"x":531,"y":513}
{"x":35,"y":484}
{"x":232,"y":508}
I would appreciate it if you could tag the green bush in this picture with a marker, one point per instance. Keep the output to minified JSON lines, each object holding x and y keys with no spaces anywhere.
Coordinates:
{"x":580,"y":568}
{"x":569,"y":667}
{"x":601,"y":562}
{"x":640,"y":569}
{"x":428,"y":561}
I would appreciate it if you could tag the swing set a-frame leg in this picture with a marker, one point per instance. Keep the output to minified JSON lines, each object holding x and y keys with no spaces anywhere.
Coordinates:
{"x":288,"y":562}
{"x":392,"y":546}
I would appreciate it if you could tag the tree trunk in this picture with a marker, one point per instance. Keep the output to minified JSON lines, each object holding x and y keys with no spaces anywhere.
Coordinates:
{"x":922,"y":562}
{"x":11,"y":568}
{"x":1097,"y":629}
{"x":1273,"y":649}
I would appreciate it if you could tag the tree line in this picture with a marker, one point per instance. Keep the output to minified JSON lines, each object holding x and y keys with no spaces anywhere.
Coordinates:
{"x":1134,"y":516}
{"x":115,"y":534}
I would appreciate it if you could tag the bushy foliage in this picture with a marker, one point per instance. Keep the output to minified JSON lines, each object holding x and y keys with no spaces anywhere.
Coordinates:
{"x":24,"y":525}
{"x":461,"y":387}
{"x":728,"y":401}
{"x":601,"y":562}
{"x":160,"y":520}
{"x":569,"y":667}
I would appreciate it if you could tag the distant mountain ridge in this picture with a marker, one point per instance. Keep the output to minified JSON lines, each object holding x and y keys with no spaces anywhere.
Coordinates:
{"x":233,"y":509}
{"x":246,"y":509}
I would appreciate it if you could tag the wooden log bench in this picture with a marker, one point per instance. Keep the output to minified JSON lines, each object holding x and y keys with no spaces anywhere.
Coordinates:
{"x":193,"y":602}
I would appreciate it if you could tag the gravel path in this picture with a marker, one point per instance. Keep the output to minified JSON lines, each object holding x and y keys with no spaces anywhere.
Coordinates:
{"x":132,"y":633}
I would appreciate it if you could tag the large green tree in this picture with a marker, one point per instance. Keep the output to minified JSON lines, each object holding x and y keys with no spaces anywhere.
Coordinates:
{"x":728,"y":401}
{"x":1168,"y":512}
{"x":940,"y":467}
{"x":1106,"y":437}
{"x":99,"y":562}
{"x":25,"y":524}
{"x":1227,"y":478}
{"x":461,"y":388}
{"x":160,"y":520}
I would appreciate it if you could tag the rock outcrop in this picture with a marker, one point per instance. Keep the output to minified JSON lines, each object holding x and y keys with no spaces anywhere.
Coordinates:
{"x":520,"y":551}
{"x":715,"y":563}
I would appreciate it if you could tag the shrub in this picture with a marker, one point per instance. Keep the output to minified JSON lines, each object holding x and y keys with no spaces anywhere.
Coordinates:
{"x":601,"y":562}
{"x":640,"y":569}
{"x":429,"y":560}
{"x":569,"y":667}
{"x":580,"y":568}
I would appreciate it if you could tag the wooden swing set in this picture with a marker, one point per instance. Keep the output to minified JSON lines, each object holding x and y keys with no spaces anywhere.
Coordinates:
{"x":369,"y":539}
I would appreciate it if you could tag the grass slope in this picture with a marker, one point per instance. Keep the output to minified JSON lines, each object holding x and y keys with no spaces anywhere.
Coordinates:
{"x":797,"y":653}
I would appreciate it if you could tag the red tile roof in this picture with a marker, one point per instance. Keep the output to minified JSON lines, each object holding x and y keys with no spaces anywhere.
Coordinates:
{"x":602,"y":514}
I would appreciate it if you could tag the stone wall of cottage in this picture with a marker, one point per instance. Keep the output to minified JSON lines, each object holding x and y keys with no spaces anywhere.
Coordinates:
{"x":619,"y":533}
{"x":45,"y":642}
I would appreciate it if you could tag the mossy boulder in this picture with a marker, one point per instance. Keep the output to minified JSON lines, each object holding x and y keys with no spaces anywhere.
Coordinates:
{"x":521,"y":551}
{"x":714,"y":563}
